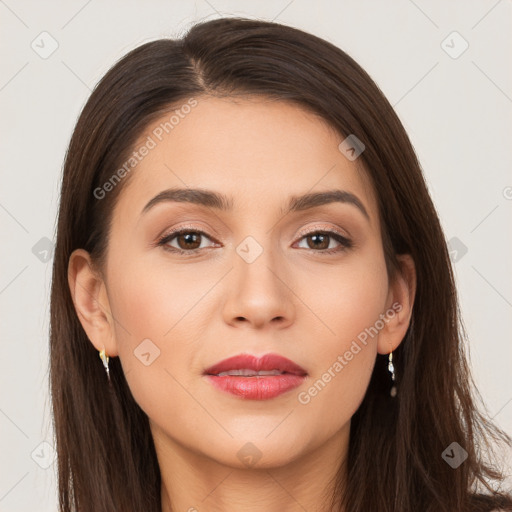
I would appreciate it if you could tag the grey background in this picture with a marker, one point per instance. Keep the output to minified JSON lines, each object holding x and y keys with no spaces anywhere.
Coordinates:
{"x":457,"y":112}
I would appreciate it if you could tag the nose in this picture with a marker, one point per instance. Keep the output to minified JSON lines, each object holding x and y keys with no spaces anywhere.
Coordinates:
{"x":259,"y":294}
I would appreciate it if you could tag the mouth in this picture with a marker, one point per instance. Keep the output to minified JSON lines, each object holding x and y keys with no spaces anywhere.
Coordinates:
{"x":253,"y":378}
{"x":250,"y":373}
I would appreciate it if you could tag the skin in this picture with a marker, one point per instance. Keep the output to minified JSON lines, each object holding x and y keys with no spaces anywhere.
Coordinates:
{"x":198,"y":310}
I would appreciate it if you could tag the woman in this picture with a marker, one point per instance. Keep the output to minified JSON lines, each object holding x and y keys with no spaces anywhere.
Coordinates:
{"x":246,"y":239}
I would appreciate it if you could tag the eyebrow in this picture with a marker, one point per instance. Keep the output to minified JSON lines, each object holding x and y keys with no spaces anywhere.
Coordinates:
{"x":221,"y":202}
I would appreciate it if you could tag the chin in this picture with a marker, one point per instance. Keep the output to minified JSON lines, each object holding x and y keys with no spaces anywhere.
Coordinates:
{"x":259,"y":452}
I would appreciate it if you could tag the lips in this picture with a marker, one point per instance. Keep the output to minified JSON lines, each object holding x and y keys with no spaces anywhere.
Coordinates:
{"x":251,"y":378}
{"x":253,"y":365}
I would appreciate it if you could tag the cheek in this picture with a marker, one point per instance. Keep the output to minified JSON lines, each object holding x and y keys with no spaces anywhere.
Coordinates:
{"x":157,"y":326}
{"x":353,"y":298}
{"x":152,"y":301}
{"x":347,"y":298}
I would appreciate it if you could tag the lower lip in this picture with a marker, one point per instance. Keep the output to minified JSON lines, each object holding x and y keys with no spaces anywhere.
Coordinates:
{"x":257,"y":388}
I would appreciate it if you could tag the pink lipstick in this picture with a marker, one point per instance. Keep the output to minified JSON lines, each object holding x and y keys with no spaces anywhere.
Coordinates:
{"x":255,"y":378}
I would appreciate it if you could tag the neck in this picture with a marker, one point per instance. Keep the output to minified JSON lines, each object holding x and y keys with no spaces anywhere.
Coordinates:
{"x":193,"y":482}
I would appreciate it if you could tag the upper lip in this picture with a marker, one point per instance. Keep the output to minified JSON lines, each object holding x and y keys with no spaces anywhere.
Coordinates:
{"x":266,"y":362}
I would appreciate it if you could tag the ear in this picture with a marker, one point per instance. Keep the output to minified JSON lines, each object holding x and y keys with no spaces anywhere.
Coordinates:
{"x":90,"y":299}
{"x":400,"y":301}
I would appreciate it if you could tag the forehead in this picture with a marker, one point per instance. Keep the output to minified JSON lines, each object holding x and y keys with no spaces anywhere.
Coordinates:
{"x":256,"y":151}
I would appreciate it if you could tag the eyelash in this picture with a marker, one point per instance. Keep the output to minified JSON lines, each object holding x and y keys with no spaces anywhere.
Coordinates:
{"x":164,"y":240}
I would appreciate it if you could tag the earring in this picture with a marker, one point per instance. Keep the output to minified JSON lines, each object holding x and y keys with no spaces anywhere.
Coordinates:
{"x":105,"y":359}
{"x":391,"y":369}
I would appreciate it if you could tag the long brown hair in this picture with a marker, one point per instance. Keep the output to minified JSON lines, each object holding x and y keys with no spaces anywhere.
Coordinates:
{"x":106,"y":457}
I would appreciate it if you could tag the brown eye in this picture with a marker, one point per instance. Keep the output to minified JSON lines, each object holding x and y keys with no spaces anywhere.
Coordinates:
{"x":320,"y":241}
{"x":187,"y":241}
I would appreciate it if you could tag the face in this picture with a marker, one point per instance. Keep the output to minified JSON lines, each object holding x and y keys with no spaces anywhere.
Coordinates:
{"x":255,"y":277}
